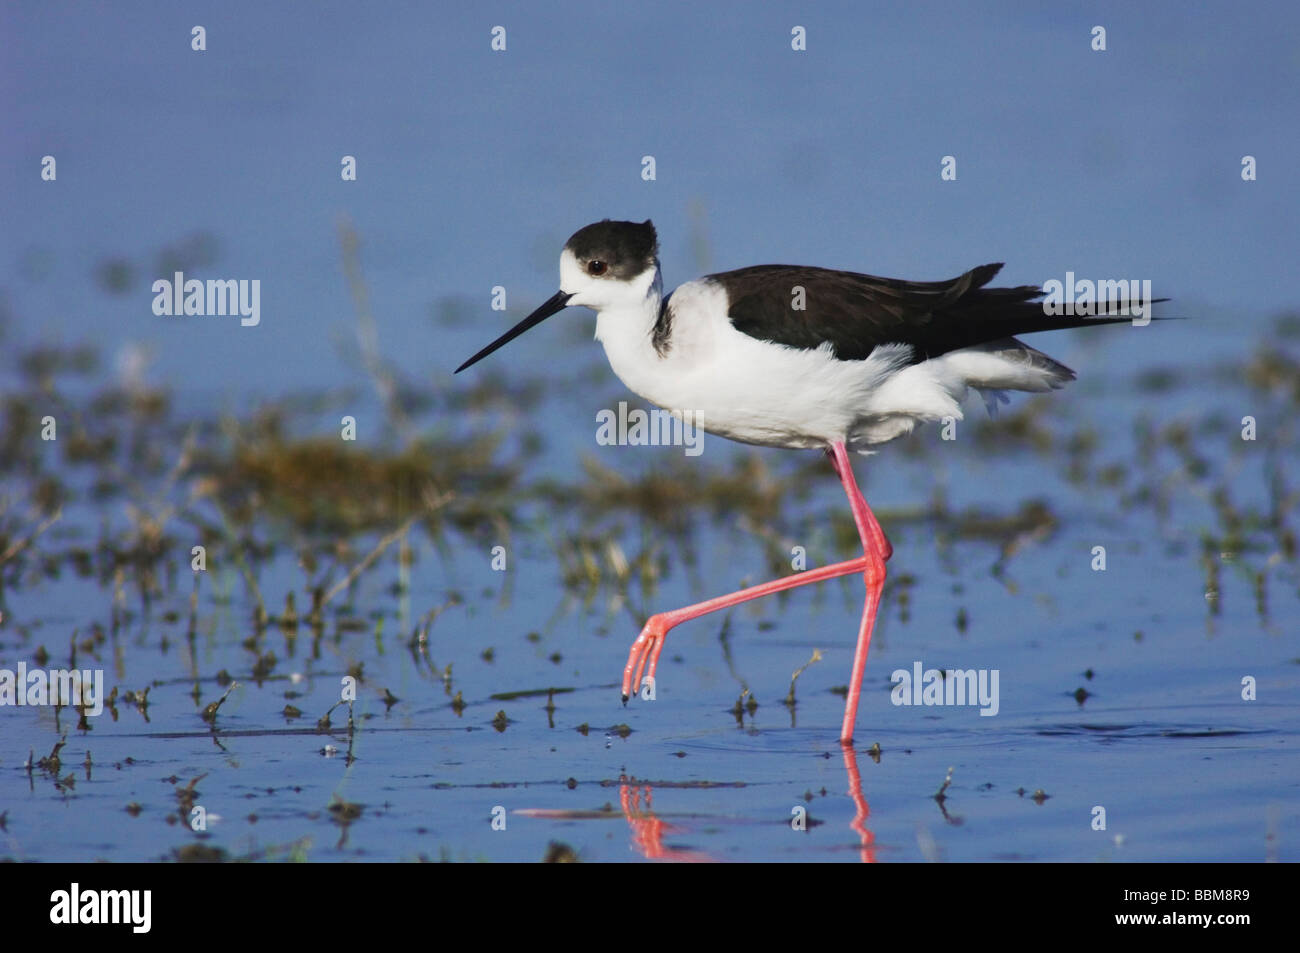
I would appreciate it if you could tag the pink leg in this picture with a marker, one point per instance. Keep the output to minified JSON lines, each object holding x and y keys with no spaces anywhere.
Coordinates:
{"x":876,"y":549}
{"x":868,"y":528}
{"x":650,"y":643}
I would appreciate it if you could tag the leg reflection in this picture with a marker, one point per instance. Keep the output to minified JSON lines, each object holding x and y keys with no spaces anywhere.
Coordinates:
{"x":868,"y":839}
{"x":648,"y":830}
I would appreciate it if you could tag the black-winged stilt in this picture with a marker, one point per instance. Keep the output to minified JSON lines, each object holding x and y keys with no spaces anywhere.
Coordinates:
{"x":801,"y":357}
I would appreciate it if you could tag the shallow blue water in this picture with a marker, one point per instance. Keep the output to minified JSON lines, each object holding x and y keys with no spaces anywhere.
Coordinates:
{"x":472,"y":174}
{"x":1164,"y":743}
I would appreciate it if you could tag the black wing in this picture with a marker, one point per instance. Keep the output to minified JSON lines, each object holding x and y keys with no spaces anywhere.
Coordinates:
{"x":857,"y":313}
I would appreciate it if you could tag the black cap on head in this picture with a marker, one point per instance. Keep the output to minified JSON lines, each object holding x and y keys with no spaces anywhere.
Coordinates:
{"x":625,"y":250}
{"x":628,"y":248}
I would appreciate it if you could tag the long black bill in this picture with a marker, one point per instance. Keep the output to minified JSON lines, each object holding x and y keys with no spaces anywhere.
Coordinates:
{"x":557,"y":303}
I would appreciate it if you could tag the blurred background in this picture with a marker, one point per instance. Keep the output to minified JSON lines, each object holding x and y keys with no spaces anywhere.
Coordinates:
{"x":374,"y":557}
{"x":474,"y":166}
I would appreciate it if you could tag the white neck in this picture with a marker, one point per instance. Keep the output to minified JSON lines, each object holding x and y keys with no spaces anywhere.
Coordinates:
{"x":625,"y":327}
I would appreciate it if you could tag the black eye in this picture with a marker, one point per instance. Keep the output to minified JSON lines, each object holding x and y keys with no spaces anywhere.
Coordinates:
{"x":596,"y":267}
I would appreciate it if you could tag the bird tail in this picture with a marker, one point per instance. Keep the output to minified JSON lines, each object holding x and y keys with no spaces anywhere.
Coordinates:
{"x":1025,"y":309}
